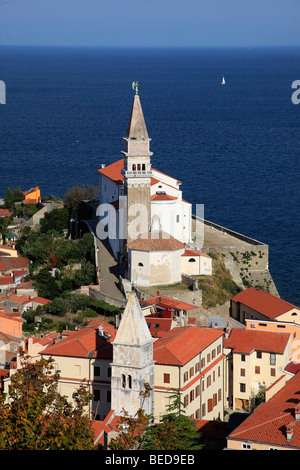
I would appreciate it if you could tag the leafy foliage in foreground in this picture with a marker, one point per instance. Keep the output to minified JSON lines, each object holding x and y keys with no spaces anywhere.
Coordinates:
{"x":175,"y":431}
{"x":36,"y":417}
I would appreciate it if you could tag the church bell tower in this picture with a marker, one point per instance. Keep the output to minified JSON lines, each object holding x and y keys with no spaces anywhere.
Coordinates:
{"x":137,"y":171}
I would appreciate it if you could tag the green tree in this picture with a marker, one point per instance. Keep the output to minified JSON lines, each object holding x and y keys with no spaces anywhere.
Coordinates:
{"x":79,"y":193}
{"x":57,"y":219}
{"x":86,"y":247}
{"x":9,"y":200}
{"x":17,"y":195}
{"x":46,"y":285}
{"x":175,"y":431}
{"x":4,"y":223}
{"x":36,"y":417}
{"x":85,"y":276}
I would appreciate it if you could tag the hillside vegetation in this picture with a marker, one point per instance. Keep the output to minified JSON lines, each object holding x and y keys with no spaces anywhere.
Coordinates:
{"x":219,"y":287}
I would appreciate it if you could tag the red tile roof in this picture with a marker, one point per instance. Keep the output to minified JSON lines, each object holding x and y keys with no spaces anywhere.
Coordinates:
{"x":6,"y":280}
{"x":6,"y":247}
{"x":167,"y":302}
{"x":292,"y":367}
{"x":5,"y":213}
{"x":8,"y":263}
{"x":40,"y":300}
{"x":85,"y":342}
{"x":268,"y":422}
{"x":18,"y":299}
{"x":267,"y":304}
{"x":163,"y":197}
{"x":29,"y":201}
{"x":30,"y":190}
{"x":113,"y":171}
{"x":246,"y":341}
{"x":180,"y":345}
{"x":156,"y":325}
{"x":189,"y":252}
{"x":156,"y":241}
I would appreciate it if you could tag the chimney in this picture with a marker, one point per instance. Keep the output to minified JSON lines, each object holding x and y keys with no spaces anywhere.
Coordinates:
{"x":227,"y":331}
{"x":100,"y":330}
{"x":297,"y":413}
{"x":289,"y":431}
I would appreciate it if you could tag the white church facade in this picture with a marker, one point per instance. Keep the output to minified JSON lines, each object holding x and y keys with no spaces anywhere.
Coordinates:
{"x":144,"y":216}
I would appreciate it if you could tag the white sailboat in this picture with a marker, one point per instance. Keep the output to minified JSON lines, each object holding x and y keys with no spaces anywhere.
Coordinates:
{"x":223,"y":81}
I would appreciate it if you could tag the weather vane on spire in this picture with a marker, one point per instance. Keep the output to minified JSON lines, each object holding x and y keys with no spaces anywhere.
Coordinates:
{"x":135,"y":86}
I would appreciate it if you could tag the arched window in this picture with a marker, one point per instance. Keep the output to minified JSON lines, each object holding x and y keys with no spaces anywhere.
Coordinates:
{"x":141,"y":265}
{"x":139,"y":167}
{"x":123,"y":380}
{"x":133,"y":167}
{"x":192,"y":260}
{"x":143,"y":167}
{"x":129,"y":381}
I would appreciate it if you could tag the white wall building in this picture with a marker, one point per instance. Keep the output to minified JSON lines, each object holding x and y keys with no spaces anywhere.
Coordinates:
{"x":132,"y":194}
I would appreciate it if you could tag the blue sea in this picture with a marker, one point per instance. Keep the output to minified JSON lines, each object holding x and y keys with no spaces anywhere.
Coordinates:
{"x":234,"y":147}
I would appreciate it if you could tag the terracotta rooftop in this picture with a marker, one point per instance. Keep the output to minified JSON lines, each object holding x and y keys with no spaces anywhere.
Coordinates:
{"x":267,"y":304}
{"x":5,"y":213}
{"x":18,"y":299}
{"x":30,"y":190}
{"x":268,"y":422}
{"x":8,"y":263}
{"x":113,"y":172}
{"x":246,"y":341}
{"x":85,"y":342}
{"x":162,"y":197}
{"x":180,"y":345}
{"x":40,"y":300}
{"x":189,"y":252}
{"x":29,"y":201}
{"x":166,"y":302}
{"x":156,"y":325}
{"x":6,"y":280}
{"x":156,"y":241}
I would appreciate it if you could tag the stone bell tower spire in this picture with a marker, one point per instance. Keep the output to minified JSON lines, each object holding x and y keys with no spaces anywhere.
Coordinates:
{"x":133,"y":363}
{"x":137,"y":171}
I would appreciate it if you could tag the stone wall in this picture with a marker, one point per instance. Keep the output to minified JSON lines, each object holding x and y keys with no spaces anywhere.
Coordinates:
{"x":247,"y":260}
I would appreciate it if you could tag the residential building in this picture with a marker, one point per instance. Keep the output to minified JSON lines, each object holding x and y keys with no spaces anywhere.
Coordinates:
{"x":254,"y":358}
{"x":280,"y":326}
{"x":11,"y":323}
{"x":6,"y":283}
{"x":32,"y":196}
{"x":263,"y":311}
{"x":191,"y":360}
{"x":260,"y":305}
{"x":164,"y":313}
{"x":115,"y":363}
{"x":84,"y":357}
{"x":9,"y":265}
{"x":274,"y":425}
{"x":6,"y":250}
{"x":5,"y":213}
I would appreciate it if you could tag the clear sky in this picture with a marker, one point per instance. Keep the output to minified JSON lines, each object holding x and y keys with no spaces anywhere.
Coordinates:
{"x":196,"y":23}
